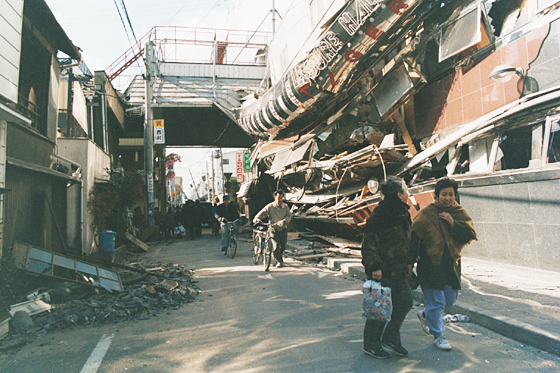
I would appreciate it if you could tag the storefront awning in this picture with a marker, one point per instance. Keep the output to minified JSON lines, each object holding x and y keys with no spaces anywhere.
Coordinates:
{"x":41,"y":169}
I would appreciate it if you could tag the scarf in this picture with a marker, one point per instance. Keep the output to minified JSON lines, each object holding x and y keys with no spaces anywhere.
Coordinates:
{"x":434,"y":233}
{"x":389,"y":213}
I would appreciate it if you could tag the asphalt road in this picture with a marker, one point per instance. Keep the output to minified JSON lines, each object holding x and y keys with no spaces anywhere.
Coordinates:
{"x":301,"y":318}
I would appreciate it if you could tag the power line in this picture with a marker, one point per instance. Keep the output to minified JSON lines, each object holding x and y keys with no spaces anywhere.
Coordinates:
{"x":128,"y":19}
{"x":122,"y":21}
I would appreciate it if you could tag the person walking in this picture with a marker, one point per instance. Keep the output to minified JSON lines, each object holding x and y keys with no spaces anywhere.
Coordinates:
{"x":440,"y":231}
{"x":226,"y":211}
{"x":279,"y":216}
{"x":388,"y":258}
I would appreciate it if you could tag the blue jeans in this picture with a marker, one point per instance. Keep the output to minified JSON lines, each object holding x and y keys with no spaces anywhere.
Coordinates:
{"x":436,"y":300}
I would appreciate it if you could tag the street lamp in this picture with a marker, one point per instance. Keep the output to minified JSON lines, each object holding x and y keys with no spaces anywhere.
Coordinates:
{"x":504,"y":73}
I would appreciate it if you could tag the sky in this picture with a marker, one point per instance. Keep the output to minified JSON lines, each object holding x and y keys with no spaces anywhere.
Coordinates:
{"x":96,"y":28}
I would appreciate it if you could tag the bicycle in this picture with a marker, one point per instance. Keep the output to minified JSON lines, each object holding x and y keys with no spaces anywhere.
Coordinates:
{"x":231,"y":240}
{"x":262,"y":245}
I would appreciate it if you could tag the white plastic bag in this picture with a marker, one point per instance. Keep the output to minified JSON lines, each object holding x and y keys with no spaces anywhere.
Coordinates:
{"x":377,"y":301}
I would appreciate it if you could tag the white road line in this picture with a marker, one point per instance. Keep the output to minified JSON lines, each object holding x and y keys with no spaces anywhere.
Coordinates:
{"x":96,"y":357}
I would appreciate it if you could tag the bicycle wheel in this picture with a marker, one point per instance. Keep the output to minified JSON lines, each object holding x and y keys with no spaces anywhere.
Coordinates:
{"x":232,"y":247}
{"x":256,"y":250}
{"x":267,"y":255}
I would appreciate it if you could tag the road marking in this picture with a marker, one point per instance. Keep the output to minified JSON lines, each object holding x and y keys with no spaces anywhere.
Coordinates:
{"x":96,"y":357}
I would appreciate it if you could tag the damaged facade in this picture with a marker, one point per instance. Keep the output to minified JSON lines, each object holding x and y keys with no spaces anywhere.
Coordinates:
{"x":419,"y":89}
{"x":57,"y":124}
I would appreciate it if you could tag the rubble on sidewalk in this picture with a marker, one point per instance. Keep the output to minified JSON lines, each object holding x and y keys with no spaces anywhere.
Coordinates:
{"x":159,"y":288}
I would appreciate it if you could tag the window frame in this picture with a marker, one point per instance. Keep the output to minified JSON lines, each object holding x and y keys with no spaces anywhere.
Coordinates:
{"x":482,"y":21}
{"x":546,"y":140}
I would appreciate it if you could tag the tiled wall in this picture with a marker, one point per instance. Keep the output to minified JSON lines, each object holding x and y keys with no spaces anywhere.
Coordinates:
{"x":468,"y":94}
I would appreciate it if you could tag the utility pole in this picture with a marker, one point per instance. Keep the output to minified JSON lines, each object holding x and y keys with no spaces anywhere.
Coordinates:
{"x":213,"y":175}
{"x":194,"y":185}
{"x":149,"y":129}
{"x":208,"y":198}
{"x":222,"y":171}
{"x":273,"y":18}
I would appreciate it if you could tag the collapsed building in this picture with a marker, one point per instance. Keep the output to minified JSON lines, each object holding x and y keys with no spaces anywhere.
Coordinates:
{"x":422,"y":90}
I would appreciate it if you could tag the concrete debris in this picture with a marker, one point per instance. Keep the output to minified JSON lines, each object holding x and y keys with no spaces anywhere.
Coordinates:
{"x":74,"y":304}
{"x":22,"y":322}
{"x":31,"y":307}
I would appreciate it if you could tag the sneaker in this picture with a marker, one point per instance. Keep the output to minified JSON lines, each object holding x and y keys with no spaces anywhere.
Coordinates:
{"x":379,"y":353}
{"x":396,"y":348}
{"x":423,"y":321}
{"x":279,"y":265}
{"x":441,"y":343}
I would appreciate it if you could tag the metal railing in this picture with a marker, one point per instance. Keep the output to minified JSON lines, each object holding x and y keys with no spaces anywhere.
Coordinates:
{"x":190,"y":44}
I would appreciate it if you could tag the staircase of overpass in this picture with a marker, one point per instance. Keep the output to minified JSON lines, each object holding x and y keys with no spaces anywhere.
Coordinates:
{"x":200,"y":75}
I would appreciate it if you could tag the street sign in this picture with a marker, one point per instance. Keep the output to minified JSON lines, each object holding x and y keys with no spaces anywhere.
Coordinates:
{"x":247,"y":161}
{"x":159,"y":131}
{"x":239,"y":167}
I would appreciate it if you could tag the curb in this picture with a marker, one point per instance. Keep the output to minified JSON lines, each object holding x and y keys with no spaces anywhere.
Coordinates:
{"x":506,"y":326}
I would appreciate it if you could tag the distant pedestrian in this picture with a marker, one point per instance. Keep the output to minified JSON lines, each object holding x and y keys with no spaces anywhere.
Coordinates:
{"x":189,"y":219}
{"x":213,"y":220}
{"x":197,"y":219}
{"x":388,"y":258}
{"x":279,"y":216}
{"x":170,"y":224}
{"x":439,"y":233}
{"x":159,"y":219}
{"x":226,"y":212}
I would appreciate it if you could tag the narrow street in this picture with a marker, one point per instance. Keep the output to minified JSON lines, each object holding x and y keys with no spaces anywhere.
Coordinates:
{"x":300,"y":318}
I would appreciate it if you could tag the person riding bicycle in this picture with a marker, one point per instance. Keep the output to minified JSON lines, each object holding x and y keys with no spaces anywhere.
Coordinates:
{"x":226,"y":211}
{"x":279,"y":215}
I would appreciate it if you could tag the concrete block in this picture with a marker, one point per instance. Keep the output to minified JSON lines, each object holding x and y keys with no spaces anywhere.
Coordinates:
{"x":335,"y":263}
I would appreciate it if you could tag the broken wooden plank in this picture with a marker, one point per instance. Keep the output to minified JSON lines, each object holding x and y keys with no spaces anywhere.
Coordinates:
{"x":314,"y":256}
{"x":136,"y":241}
{"x":404,"y":131}
{"x":336,"y":241}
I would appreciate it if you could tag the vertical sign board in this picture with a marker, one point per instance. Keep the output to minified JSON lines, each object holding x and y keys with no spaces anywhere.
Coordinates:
{"x":159,"y":131}
{"x":151,"y":184}
{"x":247,"y":161}
{"x":239,"y":166}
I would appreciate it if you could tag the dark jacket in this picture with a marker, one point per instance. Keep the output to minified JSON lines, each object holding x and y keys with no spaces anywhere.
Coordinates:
{"x":229,"y":212}
{"x":386,"y":242}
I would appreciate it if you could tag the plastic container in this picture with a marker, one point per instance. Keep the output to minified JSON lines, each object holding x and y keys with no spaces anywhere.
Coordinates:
{"x":107,"y":241}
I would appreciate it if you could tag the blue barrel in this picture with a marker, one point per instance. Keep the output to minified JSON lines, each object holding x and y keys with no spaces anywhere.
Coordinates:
{"x":107,"y":241}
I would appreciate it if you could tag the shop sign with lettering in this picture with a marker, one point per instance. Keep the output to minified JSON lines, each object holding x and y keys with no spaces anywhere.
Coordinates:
{"x":159,"y":131}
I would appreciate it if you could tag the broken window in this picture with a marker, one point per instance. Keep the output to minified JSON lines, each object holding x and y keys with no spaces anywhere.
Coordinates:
{"x":504,"y":15}
{"x":474,"y":156}
{"x":553,"y":155}
{"x":392,"y":87}
{"x":469,"y":30}
{"x":51,"y":264}
{"x":520,"y":148}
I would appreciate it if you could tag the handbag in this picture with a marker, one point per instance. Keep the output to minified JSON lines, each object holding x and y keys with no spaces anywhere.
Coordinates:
{"x":377,"y":301}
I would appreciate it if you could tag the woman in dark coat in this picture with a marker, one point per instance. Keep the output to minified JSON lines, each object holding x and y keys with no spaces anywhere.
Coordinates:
{"x":387,"y":258}
{"x":439,"y":233}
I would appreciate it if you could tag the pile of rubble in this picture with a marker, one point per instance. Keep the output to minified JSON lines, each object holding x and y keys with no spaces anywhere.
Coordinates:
{"x":147,"y":292}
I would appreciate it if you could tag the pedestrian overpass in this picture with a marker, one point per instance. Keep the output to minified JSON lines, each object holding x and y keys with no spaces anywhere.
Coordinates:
{"x":199,"y":76}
